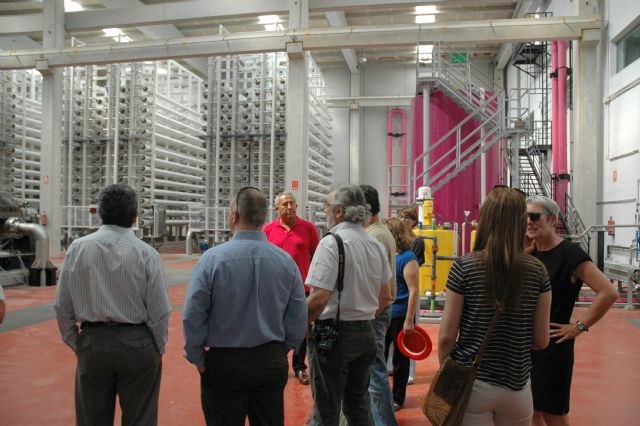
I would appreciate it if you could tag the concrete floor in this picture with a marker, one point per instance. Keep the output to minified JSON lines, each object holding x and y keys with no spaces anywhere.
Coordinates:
{"x":37,"y":369}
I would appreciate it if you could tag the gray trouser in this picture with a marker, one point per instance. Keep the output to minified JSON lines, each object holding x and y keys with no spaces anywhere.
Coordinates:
{"x":340,"y":380}
{"x":119,"y":361}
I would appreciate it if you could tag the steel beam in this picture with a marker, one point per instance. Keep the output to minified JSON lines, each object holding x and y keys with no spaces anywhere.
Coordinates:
{"x":336,"y":20}
{"x":21,"y":24}
{"x":501,"y":30}
{"x":355,"y":102}
{"x":176,"y":12}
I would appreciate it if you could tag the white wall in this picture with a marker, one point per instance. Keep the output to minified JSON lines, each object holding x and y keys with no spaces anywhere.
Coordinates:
{"x":621,"y":157}
{"x":376,"y":80}
{"x":338,"y":83}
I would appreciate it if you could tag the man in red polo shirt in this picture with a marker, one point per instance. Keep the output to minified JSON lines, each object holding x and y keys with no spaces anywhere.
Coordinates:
{"x":299,"y":238}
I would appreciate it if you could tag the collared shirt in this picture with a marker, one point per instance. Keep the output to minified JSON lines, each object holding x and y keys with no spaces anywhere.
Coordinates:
{"x":366,"y":270}
{"x":300,"y":241}
{"x":111,"y":275}
{"x":242,"y":294}
{"x":381,"y":233}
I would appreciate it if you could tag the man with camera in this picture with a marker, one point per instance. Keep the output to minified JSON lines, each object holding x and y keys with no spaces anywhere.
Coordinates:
{"x":343,"y":343}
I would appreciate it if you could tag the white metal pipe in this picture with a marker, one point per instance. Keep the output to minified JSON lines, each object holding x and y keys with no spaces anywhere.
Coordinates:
{"x":177,"y":194}
{"x":175,"y":202}
{"x":178,"y":156}
{"x":26,"y":172}
{"x":42,"y":245}
{"x":24,"y":153}
{"x":18,"y":161}
{"x":178,"y":143}
{"x":116,"y":123}
{"x":173,"y":184}
{"x":195,"y":119}
{"x":35,"y":141}
{"x":195,"y":142}
{"x":188,"y":242}
{"x":176,"y":175}
{"x":174,"y":166}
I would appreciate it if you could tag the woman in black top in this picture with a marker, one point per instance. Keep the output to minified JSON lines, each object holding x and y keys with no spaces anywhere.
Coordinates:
{"x":497,"y":275}
{"x":568,"y":267}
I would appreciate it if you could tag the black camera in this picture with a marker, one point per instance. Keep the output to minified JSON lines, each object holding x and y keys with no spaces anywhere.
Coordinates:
{"x":325,"y":333}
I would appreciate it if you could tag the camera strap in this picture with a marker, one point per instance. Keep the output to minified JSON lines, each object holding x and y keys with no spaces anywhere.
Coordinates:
{"x":340,"y":279}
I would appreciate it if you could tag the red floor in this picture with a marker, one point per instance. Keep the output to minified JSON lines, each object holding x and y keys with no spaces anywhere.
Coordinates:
{"x":37,"y":369}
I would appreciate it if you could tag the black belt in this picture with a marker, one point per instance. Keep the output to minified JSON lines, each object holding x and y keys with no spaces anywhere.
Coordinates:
{"x":358,"y":323}
{"x":109,"y":324}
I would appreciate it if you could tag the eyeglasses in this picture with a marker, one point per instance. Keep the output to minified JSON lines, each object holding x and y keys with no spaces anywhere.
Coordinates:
{"x":534,"y":217}
{"x":524,"y":194}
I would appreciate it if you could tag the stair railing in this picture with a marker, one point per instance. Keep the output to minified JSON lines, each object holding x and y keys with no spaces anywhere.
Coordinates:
{"x":539,"y":167}
{"x":574,"y":224}
{"x":464,"y":147}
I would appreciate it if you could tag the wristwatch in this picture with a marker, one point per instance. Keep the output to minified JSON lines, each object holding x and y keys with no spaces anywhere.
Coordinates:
{"x":582,"y":326}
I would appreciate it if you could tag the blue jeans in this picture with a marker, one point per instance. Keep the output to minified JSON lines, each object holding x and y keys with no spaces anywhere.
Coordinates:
{"x":379,"y":390}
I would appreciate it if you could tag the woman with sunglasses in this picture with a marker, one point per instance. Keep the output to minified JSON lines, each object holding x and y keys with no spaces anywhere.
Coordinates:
{"x":498,"y":276}
{"x":568,"y":267}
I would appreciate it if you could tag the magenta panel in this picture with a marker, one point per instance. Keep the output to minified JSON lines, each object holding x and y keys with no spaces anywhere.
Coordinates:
{"x":462,"y":192}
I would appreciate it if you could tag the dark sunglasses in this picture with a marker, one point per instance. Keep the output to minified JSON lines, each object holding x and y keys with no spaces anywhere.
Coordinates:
{"x":534,"y":217}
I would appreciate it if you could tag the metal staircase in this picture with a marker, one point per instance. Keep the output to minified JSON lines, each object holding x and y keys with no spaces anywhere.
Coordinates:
{"x":492,"y":117}
{"x":487,"y":123}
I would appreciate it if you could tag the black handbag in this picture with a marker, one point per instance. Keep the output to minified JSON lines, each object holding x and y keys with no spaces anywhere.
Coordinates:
{"x":451,"y":387}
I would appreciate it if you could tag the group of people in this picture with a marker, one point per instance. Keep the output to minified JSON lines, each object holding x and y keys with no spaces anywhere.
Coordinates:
{"x":277,"y":287}
{"x":523,"y":272}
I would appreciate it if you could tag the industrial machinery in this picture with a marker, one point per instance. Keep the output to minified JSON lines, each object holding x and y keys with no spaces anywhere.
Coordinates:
{"x":24,"y":247}
{"x":184,"y":143}
{"x":441,"y":248}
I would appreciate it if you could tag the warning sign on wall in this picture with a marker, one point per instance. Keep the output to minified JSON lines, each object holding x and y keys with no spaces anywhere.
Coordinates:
{"x":295,"y":184}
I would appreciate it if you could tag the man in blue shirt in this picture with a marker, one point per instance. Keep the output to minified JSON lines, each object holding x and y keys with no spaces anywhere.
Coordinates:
{"x":245,"y":309}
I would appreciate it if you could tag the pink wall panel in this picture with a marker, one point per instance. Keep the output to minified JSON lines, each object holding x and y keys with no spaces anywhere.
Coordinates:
{"x":462,"y":192}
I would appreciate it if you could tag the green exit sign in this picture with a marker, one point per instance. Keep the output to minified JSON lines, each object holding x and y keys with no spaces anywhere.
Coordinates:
{"x":458,"y":58}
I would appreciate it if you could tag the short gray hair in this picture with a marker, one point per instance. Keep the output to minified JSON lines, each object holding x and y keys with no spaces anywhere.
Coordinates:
{"x":351,"y":197}
{"x":282,"y":194}
{"x":549,"y":206}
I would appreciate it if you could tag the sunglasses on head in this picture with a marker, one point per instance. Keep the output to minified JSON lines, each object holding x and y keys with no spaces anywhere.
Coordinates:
{"x":534,"y":217}
{"x":517,"y":189}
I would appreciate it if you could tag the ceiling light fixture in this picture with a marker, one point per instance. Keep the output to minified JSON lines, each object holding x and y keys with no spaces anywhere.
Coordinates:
{"x":117,"y":35}
{"x":72,"y":6}
{"x":425,"y":19}
{"x":270,"y":22}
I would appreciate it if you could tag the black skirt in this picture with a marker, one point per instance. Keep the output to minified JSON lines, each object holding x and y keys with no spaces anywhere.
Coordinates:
{"x":552,"y":369}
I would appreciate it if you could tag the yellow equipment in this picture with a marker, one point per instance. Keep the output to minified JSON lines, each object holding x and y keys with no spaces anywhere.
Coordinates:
{"x":446,"y":247}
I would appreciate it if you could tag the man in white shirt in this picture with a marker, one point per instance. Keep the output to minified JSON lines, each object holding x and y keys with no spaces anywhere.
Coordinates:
{"x":340,"y":368}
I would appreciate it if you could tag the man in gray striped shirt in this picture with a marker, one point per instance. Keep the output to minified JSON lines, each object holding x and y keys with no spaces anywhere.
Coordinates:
{"x":112,"y":285}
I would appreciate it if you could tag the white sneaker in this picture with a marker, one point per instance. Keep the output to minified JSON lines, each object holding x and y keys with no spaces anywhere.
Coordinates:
{"x":410,"y":382}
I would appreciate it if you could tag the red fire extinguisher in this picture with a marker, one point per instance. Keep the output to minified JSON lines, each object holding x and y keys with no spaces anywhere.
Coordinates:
{"x":43,"y":218}
{"x":611,"y":230}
